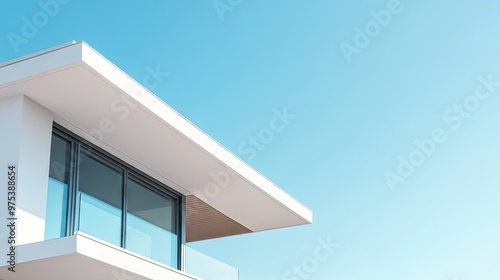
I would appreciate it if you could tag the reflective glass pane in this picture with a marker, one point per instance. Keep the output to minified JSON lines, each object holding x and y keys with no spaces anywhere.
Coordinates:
{"x":100,"y":199}
{"x":208,"y":268}
{"x":57,"y":192}
{"x":151,"y":224}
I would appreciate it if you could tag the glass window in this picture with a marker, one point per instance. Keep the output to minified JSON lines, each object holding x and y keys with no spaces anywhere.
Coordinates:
{"x":57,"y":195}
{"x":151,"y":224}
{"x":91,"y":192}
{"x":100,"y":198}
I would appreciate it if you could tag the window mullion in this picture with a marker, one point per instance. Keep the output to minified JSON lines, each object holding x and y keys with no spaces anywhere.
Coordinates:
{"x":181,"y":232}
{"x":124,"y":206}
{"x":72,"y":189}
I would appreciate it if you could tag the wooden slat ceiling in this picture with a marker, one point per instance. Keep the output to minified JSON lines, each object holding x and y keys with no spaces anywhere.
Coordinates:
{"x":205,"y":222}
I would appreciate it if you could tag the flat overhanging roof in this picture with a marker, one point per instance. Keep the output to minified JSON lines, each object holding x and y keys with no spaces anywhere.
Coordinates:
{"x":90,"y":96}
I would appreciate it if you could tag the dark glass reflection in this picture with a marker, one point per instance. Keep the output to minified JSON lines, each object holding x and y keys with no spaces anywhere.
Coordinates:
{"x":100,"y":199}
{"x":151,"y":224}
{"x":57,"y":192}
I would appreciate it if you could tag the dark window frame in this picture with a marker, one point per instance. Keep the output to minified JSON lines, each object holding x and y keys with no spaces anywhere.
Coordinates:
{"x":79,"y":144}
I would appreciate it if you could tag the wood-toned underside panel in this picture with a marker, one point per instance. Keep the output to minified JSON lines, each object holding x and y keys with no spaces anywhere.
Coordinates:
{"x":205,"y":222}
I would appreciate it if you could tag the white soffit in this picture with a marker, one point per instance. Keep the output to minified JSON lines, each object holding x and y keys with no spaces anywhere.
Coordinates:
{"x":87,"y":92}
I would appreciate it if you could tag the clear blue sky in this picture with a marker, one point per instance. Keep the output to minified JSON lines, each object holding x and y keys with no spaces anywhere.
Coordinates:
{"x":367,"y":96}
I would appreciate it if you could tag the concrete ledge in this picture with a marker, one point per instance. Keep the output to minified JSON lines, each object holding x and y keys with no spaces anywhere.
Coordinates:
{"x":81,"y":257}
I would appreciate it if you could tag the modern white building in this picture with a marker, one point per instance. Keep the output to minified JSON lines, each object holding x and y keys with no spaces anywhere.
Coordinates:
{"x":102,"y":180}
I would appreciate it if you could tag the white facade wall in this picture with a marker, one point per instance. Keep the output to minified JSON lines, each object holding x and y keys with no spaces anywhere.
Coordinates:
{"x":25,"y":137}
